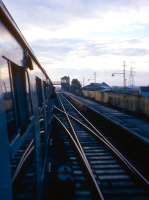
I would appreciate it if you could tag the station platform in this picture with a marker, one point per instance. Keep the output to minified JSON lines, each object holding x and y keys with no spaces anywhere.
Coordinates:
{"x":135,"y":125}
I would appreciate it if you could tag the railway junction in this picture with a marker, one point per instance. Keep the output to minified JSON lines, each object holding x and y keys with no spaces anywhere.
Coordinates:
{"x":57,"y":145}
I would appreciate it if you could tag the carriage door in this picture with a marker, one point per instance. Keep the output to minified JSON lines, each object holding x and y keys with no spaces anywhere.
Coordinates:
{"x":19,"y":88}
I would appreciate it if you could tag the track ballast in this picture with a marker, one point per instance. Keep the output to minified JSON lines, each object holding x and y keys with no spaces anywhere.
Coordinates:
{"x":111,"y":175}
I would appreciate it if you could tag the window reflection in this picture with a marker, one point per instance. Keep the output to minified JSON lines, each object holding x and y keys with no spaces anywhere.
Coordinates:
{"x":28,"y":94}
{"x":39,"y":91}
{"x":8,"y":101}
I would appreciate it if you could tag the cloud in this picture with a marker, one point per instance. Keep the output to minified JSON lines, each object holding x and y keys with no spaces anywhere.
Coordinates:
{"x":79,"y":48}
{"x":77,"y":18}
{"x":85,"y":34}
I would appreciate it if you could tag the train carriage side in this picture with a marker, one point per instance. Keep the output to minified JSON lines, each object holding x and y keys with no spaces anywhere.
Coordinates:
{"x":25,"y":101}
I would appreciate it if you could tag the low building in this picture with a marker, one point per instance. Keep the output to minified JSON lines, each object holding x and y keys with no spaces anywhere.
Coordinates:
{"x":65,"y":83}
{"x":102,"y":87}
{"x":144,"y":91}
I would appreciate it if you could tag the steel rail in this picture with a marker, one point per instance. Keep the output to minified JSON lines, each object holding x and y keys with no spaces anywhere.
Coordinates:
{"x":71,"y":126}
{"x":102,"y":138}
{"x":74,"y":134}
{"x":24,"y":157}
{"x":116,"y":151}
{"x":81,"y":149}
{"x":84,"y":160}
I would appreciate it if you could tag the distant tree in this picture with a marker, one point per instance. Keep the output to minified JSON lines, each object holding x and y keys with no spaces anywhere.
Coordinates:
{"x":65,"y":83}
{"x":75,"y":86}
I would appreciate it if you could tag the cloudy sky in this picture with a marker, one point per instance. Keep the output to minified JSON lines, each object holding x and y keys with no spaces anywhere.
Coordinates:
{"x":80,"y":37}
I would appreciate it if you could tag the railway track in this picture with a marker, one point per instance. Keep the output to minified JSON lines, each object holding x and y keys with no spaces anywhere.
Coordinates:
{"x":111,"y":175}
{"x":66,"y":179}
{"x":23,"y":171}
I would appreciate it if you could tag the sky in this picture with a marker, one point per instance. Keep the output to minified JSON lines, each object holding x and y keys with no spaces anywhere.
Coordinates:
{"x":81,"y":37}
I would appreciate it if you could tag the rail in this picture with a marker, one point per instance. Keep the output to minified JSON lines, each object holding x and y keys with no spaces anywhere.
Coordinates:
{"x":103,"y":139}
{"x":75,"y":140}
{"x":24,"y":157}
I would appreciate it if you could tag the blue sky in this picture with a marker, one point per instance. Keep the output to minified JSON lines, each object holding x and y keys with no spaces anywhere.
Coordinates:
{"x":80,"y":37}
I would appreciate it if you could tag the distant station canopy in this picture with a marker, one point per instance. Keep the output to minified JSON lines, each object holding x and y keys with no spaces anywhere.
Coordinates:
{"x":97,"y":87}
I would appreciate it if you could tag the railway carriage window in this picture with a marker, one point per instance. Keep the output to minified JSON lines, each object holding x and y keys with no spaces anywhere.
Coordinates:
{"x":28,"y":94}
{"x":20,"y":94}
{"x":39,"y":91}
{"x":45,"y":89}
{"x":8,"y":102}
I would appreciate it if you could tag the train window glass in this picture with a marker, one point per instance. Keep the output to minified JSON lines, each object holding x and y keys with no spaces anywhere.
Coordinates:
{"x":9,"y":105}
{"x":39,"y":91}
{"x":28,"y":94}
{"x":45,"y":89}
{"x":20,"y":91}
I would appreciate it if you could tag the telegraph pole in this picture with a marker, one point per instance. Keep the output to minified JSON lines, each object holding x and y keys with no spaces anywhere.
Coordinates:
{"x":95,"y":77}
{"x":122,"y":73}
{"x":83,"y":81}
{"x":131,"y":78}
